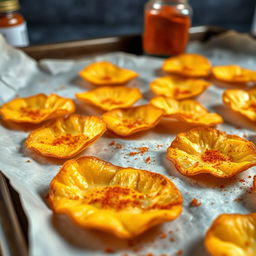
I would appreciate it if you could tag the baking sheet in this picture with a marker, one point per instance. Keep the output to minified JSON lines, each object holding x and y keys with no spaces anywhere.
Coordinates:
{"x":30,"y":175}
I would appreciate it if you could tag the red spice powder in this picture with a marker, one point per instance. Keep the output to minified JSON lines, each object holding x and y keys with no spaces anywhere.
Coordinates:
{"x":116,"y":198}
{"x":162,"y":235}
{"x":109,"y":250}
{"x":242,"y":180}
{"x":178,"y":91}
{"x":112,"y":143}
{"x":172,"y":239}
{"x":147,"y":160}
{"x":195,"y":203}
{"x":68,"y":140}
{"x":141,"y":151}
{"x":116,"y":145}
{"x":254,"y":183}
{"x":238,"y":200}
{"x":179,"y":253}
{"x":129,"y":123}
{"x":32,"y":113}
{"x":213,"y":156}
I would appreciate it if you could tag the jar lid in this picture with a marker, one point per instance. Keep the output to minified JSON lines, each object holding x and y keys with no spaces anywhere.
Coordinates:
{"x":9,"y":5}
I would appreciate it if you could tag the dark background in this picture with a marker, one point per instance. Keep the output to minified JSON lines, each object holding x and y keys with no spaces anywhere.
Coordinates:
{"x":64,"y":20}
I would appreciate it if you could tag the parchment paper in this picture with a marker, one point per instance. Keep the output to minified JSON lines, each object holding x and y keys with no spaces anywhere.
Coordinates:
{"x":30,"y":175}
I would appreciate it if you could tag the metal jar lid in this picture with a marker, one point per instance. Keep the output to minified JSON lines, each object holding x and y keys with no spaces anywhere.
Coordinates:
{"x":9,"y":5}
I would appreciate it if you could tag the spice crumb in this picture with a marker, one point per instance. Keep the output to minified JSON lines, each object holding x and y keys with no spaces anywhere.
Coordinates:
{"x":162,"y":235}
{"x":115,"y":145}
{"x":254,"y":183}
{"x":172,"y":239}
{"x":179,"y":253}
{"x":147,"y":160}
{"x":109,"y":250}
{"x":28,"y":161}
{"x":195,"y":203}
{"x":141,"y":151}
{"x":238,"y":200}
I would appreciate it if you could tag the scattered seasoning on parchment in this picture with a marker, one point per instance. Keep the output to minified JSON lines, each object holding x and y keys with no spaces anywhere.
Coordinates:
{"x":150,"y":254}
{"x":159,"y":146}
{"x":249,"y":176}
{"x":147,"y":160}
{"x":195,"y":203}
{"x":162,"y":235}
{"x":254,"y":184}
{"x":28,"y":161}
{"x":242,"y":180}
{"x":109,"y":250}
{"x":179,"y":253}
{"x":115,"y":145}
{"x":172,"y":239}
{"x":238,"y":200}
{"x":141,"y":151}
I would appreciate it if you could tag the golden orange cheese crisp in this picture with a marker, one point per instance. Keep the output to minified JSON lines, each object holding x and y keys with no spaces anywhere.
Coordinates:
{"x":241,"y":101}
{"x":109,"y":98}
{"x":234,"y":74}
{"x":232,"y":235}
{"x":207,"y":150}
{"x":125,"y":122}
{"x":188,"y":111}
{"x":36,"y":109}
{"x":178,"y":87}
{"x":123,"y":201}
{"x":66,"y":137}
{"x":188,"y":64}
{"x":106,"y":73}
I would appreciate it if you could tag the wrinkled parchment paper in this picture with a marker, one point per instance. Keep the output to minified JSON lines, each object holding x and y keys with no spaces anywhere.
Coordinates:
{"x":30,"y":175}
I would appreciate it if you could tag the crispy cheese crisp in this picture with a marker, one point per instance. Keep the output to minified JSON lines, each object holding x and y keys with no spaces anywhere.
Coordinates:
{"x":241,"y":101}
{"x":125,"y":122}
{"x":234,"y":74}
{"x":188,"y":111}
{"x":178,"y":87}
{"x":36,"y":109}
{"x":207,"y":150}
{"x":109,"y":98}
{"x":66,"y":137}
{"x":232,"y":235}
{"x":188,"y":64}
{"x":106,"y":73}
{"x":123,"y":201}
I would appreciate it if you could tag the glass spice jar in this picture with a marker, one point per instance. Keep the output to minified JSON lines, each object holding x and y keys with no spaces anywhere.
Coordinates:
{"x":166,"y":27}
{"x":12,"y":24}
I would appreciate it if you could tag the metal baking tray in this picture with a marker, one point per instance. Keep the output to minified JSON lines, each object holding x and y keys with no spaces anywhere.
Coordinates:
{"x":12,"y":217}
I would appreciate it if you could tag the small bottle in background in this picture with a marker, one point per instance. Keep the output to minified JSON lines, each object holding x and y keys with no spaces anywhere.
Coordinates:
{"x":12,"y":24}
{"x":166,"y":27}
